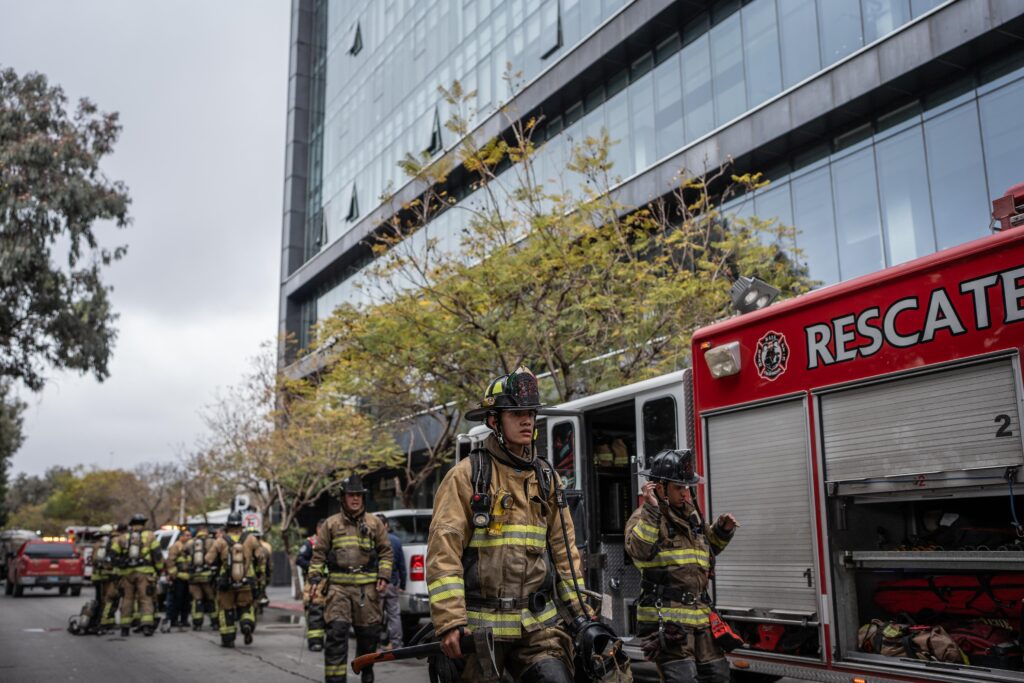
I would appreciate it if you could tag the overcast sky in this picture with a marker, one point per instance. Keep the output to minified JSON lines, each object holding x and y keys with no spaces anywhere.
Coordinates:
{"x":201,"y":87}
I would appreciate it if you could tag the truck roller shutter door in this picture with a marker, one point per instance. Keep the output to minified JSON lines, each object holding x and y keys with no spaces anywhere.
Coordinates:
{"x":758,"y":469}
{"x":963,"y":418}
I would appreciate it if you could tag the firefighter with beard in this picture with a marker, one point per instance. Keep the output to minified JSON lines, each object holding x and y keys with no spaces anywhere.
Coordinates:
{"x":498,"y":519}
{"x":105,"y":577}
{"x":200,"y":577}
{"x":353,"y":553}
{"x":238,"y":560}
{"x":674,"y":551}
{"x":140,"y":559}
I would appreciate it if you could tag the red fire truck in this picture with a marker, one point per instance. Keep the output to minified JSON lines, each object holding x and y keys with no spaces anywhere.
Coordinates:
{"x":868,"y":436}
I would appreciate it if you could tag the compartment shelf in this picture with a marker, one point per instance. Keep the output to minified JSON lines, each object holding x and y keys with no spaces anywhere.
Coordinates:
{"x":935,"y":559}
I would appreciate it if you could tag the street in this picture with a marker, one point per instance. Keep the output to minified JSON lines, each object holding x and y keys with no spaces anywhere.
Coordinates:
{"x":35,"y":647}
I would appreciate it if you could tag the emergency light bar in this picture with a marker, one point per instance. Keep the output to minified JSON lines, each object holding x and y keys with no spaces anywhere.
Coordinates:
{"x":723,"y":360}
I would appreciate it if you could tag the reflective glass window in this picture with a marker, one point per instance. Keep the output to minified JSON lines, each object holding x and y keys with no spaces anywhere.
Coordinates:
{"x":641,"y":114}
{"x":882,"y":17}
{"x":697,"y":103}
{"x":774,"y":204}
{"x":563,"y":453}
{"x":957,"y":176}
{"x":727,"y":69}
{"x":761,"y":43}
{"x":668,"y":103}
{"x":812,"y":214}
{"x":839,"y":24}
{"x":906,"y":206}
{"x":617,"y":111}
{"x":798,"y":23}
{"x":1001,"y":113}
{"x":858,"y":224}
{"x":919,"y":7}
{"x":659,"y":421}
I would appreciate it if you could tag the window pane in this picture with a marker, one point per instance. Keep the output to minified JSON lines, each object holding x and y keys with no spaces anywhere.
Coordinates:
{"x":697,"y":102}
{"x":727,"y":66}
{"x":618,"y":130}
{"x":906,"y":206}
{"x":775,"y":205}
{"x":919,"y":7}
{"x":563,"y":453}
{"x":882,"y":17}
{"x":668,"y":113}
{"x":812,"y":214}
{"x":799,"y":24}
{"x":1004,"y":145}
{"x":858,"y":224}
{"x":957,"y":176}
{"x":761,"y":40}
{"x":839,"y":23}
{"x":659,"y":418}
{"x":641,"y":112}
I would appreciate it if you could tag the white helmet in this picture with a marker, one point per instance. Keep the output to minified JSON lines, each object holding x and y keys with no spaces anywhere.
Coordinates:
{"x":106,"y":529}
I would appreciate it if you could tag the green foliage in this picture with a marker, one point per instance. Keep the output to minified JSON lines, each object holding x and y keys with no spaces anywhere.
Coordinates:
{"x":54,"y":307}
{"x":11,"y":438}
{"x":554,"y":273}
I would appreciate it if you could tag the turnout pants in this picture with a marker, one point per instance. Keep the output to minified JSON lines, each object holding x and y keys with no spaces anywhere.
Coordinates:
{"x":138,"y":592}
{"x":392,"y":615}
{"x":541,"y":656}
{"x":697,"y":659}
{"x":177,"y":603}
{"x":106,"y":597}
{"x":355,"y":606}
{"x":235,"y":609}
{"x":203,"y":602}
{"x":313,"y":601}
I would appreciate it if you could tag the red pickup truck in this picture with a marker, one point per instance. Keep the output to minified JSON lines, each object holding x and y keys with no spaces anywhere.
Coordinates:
{"x":45,"y":563}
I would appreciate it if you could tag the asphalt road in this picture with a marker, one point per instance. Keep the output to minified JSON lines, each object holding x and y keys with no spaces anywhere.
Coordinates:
{"x":35,"y":647}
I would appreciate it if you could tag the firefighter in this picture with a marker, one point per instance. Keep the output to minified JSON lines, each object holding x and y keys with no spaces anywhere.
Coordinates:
{"x":237,"y":559}
{"x":263,"y":579}
{"x":200,"y":579}
{"x":178,"y":565}
{"x":674,"y":551}
{"x":496,"y":521}
{"x":105,"y":577}
{"x":312,"y":600}
{"x":140,"y":560}
{"x":353,"y":552}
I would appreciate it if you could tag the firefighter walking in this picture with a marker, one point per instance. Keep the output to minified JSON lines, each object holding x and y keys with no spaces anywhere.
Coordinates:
{"x":353,"y":552}
{"x":238,"y":560}
{"x":497,"y":520}
{"x":140,"y":559}
{"x":674,"y":551}
{"x":312,"y":597}
{"x":177,"y":592}
{"x":200,"y":577}
{"x":105,"y":577}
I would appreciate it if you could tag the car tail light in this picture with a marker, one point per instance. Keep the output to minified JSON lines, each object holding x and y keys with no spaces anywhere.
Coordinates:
{"x":416,"y":568}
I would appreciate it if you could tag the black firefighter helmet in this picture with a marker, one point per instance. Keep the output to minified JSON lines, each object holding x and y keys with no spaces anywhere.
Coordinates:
{"x":515,"y":391}
{"x":137,"y":518}
{"x":675,"y":466}
{"x":234,"y":519}
{"x":353,"y":483}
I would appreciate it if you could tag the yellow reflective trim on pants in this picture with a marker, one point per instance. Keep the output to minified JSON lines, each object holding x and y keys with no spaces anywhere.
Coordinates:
{"x":646,"y":532}
{"x":336,"y":670}
{"x":688,"y":616}
{"x":501,"y":624}
{"x":315,"y":633}
{"x":676,"y":558}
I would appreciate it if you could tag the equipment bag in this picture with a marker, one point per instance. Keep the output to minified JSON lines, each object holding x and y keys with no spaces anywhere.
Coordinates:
{"x":971,"y":596}
{"x":892,"y":639}
{"x":988,"y":645}
{"x":87,"y":621}
{"x":725,"y":637}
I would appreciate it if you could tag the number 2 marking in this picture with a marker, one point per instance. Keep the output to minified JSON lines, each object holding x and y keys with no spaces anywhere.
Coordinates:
{"x":1004,"y":428}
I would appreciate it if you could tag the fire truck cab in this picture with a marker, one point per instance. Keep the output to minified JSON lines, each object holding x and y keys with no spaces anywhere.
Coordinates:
{"x":868,"y":436}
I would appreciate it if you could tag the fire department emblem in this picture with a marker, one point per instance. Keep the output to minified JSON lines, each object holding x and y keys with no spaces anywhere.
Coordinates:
{"x":771,"y":355}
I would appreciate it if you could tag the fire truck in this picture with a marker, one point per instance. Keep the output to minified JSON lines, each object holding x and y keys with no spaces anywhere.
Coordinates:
{"x":868,"y":437}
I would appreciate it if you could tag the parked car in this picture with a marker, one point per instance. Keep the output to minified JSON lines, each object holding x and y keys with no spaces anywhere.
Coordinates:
{"x":10,"y":541}
{"x":411,"y":527}
{"x":46,"y":563}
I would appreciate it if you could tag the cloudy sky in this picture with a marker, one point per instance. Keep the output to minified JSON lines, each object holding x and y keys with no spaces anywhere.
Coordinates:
{"x":201,"y":88}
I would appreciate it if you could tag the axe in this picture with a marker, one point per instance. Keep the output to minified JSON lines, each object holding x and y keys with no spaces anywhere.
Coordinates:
{"x":479,"y":642}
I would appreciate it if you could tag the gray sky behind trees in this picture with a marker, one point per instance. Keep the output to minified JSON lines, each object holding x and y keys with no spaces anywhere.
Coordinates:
{"x":201,"y":88}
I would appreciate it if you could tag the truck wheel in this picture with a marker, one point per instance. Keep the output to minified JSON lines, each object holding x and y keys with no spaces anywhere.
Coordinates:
{"x":63,"y":590}
{"x":752,"y":677}
{"x":76,"y":591}
{"x":410,"y":624}
{"x":19,"y":591}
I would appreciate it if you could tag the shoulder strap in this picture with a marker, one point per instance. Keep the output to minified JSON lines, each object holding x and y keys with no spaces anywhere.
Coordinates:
{"x":480,"y":465}
{"x":545,"y":478}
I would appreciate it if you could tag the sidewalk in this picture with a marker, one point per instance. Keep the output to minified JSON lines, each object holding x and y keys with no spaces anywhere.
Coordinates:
{"x":281,"y":598}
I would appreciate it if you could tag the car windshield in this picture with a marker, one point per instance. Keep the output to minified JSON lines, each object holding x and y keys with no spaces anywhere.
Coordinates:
{"x":51,"y":550}
{"x":410,"y":528}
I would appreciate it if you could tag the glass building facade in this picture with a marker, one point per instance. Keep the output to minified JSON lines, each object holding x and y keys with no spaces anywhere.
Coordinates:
{"x":886,"y":186}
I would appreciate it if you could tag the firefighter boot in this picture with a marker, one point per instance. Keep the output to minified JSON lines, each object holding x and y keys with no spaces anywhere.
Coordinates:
{"x":125,"y":631}
{"x":715,"y":671}
{"x":148,"y":630}
{"x":367,"y":638}
{"x":679,"y":671}
{"x":547,"y":671}
{"x":246,"y":627}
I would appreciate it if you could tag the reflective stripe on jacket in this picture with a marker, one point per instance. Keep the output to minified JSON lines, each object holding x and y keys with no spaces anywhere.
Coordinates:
{"x":352,"y":550}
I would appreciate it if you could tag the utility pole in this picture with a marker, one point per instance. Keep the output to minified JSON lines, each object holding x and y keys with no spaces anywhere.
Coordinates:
{"x":181,"y":508}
